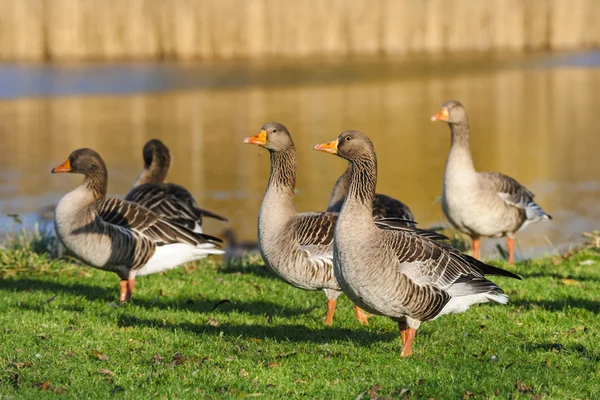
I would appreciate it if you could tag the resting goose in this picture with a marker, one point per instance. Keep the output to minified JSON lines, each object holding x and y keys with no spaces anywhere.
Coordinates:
{"x":166,"y":199}
{"x":117,"y":235}
{"x":383,"y":206}
{"x":481,"y":203}
{"x":403,"y":273}
{"x":297,"y":247}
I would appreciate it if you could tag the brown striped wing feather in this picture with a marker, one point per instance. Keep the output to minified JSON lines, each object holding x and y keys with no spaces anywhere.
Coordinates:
{"x":171,"y":201}
{"x":146,"y":223}
{"x":431,"y":268}
{"x":314,"y":232}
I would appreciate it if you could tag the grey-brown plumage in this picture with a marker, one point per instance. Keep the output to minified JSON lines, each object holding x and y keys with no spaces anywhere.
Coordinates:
{"x":117,"y":235}
{"x":166,"y":199}
{"x":481,"y":203}
{"x":383,"y":206}
{"x":297,"y":247}
{"x":403,"y":273}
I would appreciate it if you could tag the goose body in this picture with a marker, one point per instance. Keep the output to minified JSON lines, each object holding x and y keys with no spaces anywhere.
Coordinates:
{"x":117,"y":235}
{"x":479,"y":204}
{"x":401,"y":273}
{"x":169,"y":200}
{"x":383,"y":206}
{"x":297,"y":247}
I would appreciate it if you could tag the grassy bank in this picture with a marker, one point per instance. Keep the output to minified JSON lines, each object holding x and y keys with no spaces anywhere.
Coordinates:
{"x":210,"y":331}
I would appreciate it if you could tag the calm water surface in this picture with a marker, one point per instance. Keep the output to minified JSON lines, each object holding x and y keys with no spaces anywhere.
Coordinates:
{"x":533,"y":117}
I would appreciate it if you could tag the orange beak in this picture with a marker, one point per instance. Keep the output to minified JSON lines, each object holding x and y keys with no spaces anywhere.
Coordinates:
{"x":260,"y":138}
{"x":330,"y":147}
{"x":442,"y":115}
{"x":64,"y":167}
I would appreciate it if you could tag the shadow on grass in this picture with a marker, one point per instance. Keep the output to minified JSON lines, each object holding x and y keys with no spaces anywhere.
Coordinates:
{"x":201,"y":305}
{"x":288,"y":332}
{"x":36,"y":285}
{"x":559,"y":347}
{"x":560,"y":305}
{"x":554,"y":275}
{"x":239,"y":268}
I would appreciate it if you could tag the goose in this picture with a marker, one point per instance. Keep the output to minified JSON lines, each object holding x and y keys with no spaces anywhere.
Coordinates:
{"x":401,"y":273}
{"x":383,"y":206}
{"x":479,"y":204}
{"x":166,"y":199}
{"x":119,"y":236}
{"x":236,"y":251}
{"x":297,"y":247}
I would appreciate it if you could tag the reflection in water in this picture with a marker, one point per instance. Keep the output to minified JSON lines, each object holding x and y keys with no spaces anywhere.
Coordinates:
{"x":537,"y":125}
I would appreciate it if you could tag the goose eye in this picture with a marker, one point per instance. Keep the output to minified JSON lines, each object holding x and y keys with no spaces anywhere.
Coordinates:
{"x":274,"y":130}
{"x":348,"y":138}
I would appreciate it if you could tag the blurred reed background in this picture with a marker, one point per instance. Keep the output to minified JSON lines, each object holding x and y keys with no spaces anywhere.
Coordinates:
{"x":224,"y":29}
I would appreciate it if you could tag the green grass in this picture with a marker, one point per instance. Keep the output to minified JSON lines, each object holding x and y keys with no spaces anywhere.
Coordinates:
{"x":209,"y":331}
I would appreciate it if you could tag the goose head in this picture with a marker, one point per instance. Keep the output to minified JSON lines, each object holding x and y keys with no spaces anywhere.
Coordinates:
{"x":451,"y":112}
{"x":82,"y":161}
{"x":273,"y":136}
{"x":156,"y":151}
{"x":351,"y":145}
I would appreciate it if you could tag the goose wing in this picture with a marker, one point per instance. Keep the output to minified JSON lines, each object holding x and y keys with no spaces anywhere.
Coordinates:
{"x":512,"y":193}
{"x":426,"y":261}
{"x":143,"y":222}
{"x":435,"y":272}
{"x":171,"y":201}
{"x":388,"y":207}
{"x":407,"y":226}
{"x":314,"y":232}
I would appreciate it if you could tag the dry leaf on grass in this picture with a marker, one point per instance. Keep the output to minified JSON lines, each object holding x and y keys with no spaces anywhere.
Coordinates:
{"x":21,"y":364}
{"x":101,"y":356}
{"x":106,"y":372}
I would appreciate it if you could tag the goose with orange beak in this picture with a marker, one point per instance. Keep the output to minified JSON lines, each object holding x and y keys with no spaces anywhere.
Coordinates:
{"x":400,"y":273}
{"x":297,"y":247}
{"x":479,"y":204}
{"x":119,"y":236}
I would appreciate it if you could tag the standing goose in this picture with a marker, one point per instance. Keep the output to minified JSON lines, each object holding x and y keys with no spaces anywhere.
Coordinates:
{"x":383,"y":206}
{"x":166,"y":199}
{"x":117,"y":235}
{"x":297,"y":247}
{"x":403,"y":273}
{"x":481,"y":203}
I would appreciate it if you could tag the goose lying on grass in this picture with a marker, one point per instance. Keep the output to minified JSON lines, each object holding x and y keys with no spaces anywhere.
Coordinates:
{"x":402,"y":273}
{"x":166,"y":199}
{"x":481,"y":203}
{"x":117,"y":235}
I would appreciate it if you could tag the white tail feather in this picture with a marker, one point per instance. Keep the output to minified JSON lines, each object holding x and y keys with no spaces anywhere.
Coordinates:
{"x":171,"y":256}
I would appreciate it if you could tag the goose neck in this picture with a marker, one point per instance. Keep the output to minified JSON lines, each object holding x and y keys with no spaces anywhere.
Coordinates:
{"x":156,"y":172}
{"x":96,"y":182}
{"x":361,"y":190}
{"x":283,"y":170}
{"x":341,"y":187}
{"x":460,"y":149}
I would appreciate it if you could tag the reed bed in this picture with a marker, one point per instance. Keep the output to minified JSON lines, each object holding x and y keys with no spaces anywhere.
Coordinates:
{"x":231,"y":29}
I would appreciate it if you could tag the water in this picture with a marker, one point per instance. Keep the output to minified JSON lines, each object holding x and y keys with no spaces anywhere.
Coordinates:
{"x":533,"y":117}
